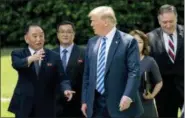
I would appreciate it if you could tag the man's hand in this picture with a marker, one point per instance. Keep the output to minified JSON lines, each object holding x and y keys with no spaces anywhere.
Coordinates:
{"x":148,"y":96}
{"x":69,"y":94}
{"x":84,"y":109}
{"x":124,"y":103}
{"x":36,"y":57}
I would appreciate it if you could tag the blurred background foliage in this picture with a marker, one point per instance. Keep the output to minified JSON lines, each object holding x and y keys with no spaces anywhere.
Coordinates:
{"x":131,"y":14}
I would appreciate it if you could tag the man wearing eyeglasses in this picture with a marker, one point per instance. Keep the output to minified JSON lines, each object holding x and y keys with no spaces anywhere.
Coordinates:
{"x":72,"y":57}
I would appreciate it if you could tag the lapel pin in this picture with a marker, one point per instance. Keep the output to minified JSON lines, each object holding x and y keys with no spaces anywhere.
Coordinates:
{"x":80,"y":61}
{"x":49,"y":64}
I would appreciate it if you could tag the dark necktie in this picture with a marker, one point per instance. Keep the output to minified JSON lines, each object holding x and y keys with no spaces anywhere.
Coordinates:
{"x":37,"y":67}
{"x":64,"y":58}
{"x":101,"y":67}
{"x":171,"y":48}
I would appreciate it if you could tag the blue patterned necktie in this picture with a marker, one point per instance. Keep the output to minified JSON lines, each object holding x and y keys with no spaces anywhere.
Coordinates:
{"x":101,"y":67}
{"x":64,"y":59}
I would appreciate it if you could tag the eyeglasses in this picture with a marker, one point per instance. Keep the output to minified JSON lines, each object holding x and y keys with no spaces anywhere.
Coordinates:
{"x":65,"y":32}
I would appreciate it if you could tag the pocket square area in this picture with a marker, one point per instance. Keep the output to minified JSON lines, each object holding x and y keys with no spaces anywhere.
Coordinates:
{"x":49,"y":64}
{"x":80,"y":61}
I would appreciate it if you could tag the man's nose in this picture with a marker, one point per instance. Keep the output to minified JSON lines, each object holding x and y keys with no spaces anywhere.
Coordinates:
{"x":168,"y":25}
{"x":38,"y":38}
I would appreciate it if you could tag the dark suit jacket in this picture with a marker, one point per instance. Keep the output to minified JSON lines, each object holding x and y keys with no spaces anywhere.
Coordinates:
{"x":74,"y":71}
{"x":121,"y":75}
{"x":37,"y":91}
{"x":158,"y":52}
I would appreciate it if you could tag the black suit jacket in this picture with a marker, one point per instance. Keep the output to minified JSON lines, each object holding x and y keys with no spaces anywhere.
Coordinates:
{"x":74,"y":71}
{"x":34,"y":90}
{"x":158,"y":51}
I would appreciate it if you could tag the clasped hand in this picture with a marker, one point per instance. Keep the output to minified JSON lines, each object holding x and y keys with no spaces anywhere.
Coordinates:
{"x":69,"y":94}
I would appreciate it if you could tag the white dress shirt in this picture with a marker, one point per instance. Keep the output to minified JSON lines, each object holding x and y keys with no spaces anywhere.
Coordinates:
{"x":32,"y":51}
{"x":109,"y":37}
{"x":167,"y":37}
{"x":69,"y":50}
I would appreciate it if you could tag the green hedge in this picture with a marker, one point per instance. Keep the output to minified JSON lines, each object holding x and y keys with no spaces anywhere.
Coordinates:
{"x":131,"y":14}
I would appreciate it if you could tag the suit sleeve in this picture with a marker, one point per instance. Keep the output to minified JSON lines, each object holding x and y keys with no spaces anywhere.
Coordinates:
{"x":133,"y":65}
{"x":151,"y":37}
{"x":18,"y":60}
{"x":85,"y":82}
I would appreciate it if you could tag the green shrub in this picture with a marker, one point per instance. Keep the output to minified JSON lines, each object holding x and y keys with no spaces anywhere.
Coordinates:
{"x":131,"y":14}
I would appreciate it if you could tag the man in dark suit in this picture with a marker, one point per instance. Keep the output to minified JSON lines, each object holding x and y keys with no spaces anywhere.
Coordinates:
{"x":167,"y":48}
{"x":73,"y":60}
{"x":39,"y":72}
{"x":111,"y":75}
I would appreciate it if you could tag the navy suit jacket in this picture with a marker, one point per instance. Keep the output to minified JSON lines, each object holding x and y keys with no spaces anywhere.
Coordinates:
{"x":121,"y":75}
{"x":34,"y":90}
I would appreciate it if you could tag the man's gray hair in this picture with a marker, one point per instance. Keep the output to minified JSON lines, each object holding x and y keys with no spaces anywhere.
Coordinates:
{"x":167,"y":8}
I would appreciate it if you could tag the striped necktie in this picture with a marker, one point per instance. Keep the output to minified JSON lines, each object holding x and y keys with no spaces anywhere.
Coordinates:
{"x":171,"y":48}
{"x":101,"y":67}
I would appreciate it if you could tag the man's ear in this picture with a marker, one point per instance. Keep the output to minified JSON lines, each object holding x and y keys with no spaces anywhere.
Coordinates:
{"x":26,"y":38}
{"x":58,"y":35}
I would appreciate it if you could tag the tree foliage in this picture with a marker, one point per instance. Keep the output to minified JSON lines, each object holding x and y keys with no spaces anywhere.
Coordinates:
{"x":131,"y":14}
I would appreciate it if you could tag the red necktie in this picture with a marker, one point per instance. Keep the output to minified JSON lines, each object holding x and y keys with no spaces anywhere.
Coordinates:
{"x":171,"y":48}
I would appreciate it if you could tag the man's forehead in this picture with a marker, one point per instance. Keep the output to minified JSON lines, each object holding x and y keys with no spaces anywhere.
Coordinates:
{"x":65,"y":26}
{"x":35,"y":29}
{"x":167,"y":14}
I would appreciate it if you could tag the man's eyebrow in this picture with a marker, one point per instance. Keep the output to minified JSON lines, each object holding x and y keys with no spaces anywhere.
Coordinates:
{"x":38,"y":33}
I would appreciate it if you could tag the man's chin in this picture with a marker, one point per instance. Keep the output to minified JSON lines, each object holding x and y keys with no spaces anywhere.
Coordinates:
{"x":168,"y":32}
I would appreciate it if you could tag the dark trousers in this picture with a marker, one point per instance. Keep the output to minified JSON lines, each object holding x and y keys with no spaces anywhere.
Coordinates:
{"x":100,"y":108}
{"x":22,"y":115}
{"x":66,"y":109}
{"x":70,"y":111}
{"x":169,"y":99}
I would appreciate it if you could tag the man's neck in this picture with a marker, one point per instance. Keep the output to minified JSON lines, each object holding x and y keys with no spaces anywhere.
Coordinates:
{"x":66,"y":45}
{"x":108,"y":30}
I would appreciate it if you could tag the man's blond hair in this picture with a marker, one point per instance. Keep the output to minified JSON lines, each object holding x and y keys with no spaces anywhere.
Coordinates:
{"x":104,"y":12}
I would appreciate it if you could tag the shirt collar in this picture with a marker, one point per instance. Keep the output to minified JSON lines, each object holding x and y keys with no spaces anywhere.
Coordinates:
{"x":111,"y":34}
{"x":32,"y":51}
{"x":69,"y":48}
{"x":174,"y":33}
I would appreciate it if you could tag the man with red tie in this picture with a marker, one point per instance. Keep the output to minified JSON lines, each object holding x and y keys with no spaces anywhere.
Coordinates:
{"x":167,"y":48}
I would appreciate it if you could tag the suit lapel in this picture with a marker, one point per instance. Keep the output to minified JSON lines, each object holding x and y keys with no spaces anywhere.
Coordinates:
{"x":58,"y":50}
{"x":180,"y":38}
{"x":162,"y":38}
{"x":72,"y":59}
{"x":161,"y":42}
{"x":43,"y":62}
{"x":112,"y":50}
{"x":32,"y":66}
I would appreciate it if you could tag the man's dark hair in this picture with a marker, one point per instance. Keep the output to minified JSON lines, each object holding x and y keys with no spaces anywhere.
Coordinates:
{"x":66,"y":23}
{"x":27,"y":28}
